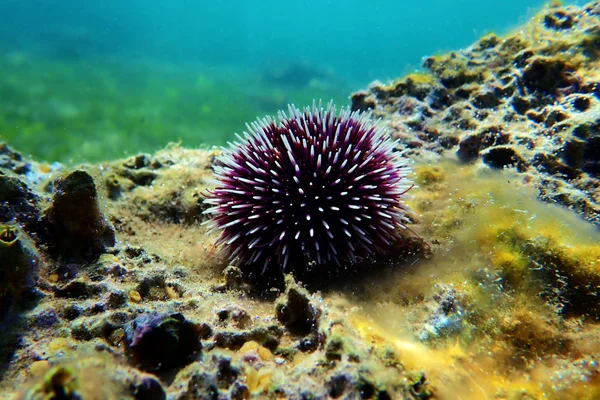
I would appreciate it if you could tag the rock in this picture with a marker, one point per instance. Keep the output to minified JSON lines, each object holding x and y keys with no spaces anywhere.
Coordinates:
{"x":160,"y":342}
{"x":76,"y":227}
{"x":18,"y":203}
{"x":58,"y":383}
{"x":267,"y":336}
{"x":538,"y":84}
{"x":445,"y":316}
{"x":581,"y":103}
{"x":296,"y":311}
{"x":235,"y":315}
{"x":362,"y":101}
{"x":547,"y":74}
{"x":559,"y":20}
{"x":485,"y":99}
{"x":218,"y":377}
{"x":148,"y":388}
{"x":19,"y":266}
{"x":552,"y":165}
{"x":591,"y":157}
{"x":468,"y":148}
{"x":202,"y":386}
{"x":79,"y":289}
{"x":554,"y":117}
{"x":572,"y":153}
{"x":568,"y":276}
{"x":300,"y":316}
{"x":13,"y":160}
{"x":501,"y":156}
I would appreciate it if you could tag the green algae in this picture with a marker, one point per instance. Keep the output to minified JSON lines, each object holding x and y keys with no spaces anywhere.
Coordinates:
{"x":94,"y":110}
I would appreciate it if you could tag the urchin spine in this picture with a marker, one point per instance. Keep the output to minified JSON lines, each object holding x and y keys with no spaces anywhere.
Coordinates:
{"x":315,"y":176}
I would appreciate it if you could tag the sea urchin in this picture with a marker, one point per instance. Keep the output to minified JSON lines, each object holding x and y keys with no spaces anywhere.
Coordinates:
{"x":313,"y":187}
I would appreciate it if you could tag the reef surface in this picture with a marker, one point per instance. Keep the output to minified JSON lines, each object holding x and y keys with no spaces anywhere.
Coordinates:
{"x":111,"y":289}
{"x":527,"y":102}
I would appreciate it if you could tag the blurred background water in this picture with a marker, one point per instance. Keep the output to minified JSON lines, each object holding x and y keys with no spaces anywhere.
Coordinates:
{"x":84,"y":80}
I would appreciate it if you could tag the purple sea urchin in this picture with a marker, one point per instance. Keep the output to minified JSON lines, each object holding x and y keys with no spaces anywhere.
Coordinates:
{"x":313,"y":187}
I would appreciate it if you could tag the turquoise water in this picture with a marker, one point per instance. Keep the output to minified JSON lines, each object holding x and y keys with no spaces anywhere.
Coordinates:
{"x":83,"y":80}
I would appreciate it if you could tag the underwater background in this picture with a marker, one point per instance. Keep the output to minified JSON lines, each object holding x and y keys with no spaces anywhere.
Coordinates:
{"x":89,"y":81}
{"x":136,"y":261}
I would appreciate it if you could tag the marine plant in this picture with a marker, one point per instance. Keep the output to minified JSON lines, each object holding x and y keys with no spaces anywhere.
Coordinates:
{"x":311,"y":188}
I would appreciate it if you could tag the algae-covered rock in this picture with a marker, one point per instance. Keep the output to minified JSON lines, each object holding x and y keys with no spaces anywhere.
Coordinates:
{"x":58,"y":383}
{"x":19,"y":203}
{"x":76,"y":227}
{"x":215,"y":378}
{"x":19,"y":265}
{"x":569,"y":276}
{"x":445,"y":316}
{"x":300,"y":315}
{"x":161,"y":342}
{"x":13,"y":160}
{"x":538,"y":88}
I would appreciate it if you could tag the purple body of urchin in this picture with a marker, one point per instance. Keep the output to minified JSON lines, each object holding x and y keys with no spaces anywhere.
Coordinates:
{"x":313,"y":187}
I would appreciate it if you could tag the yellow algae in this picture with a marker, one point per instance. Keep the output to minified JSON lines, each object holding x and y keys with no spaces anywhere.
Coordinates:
{"x":504,"y":256}
{"x":171,"y":292}
{"x":264,"y":353}
{"x":135,"y":296}
{"x":454,"y":370}
{"x":58,"y":345}
{"x":250,"y":345}
{"x":425,"y":175}
{"x":9,"y":235}
{"x":58,"y":382}
{"x":76,"y":376}
{"x":38,"y":368}
{"x":45,"y":168}
{"x":448,"y":365}
{"x":108,"y":258}
{"x":117,"y":337}
{"x":419,"y":78}
{"x":509,"y":262}
{"x":492,"y":208}
{"x":53,"y":278}
{"x":588,"y":255}
{"x":258,"y":381}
